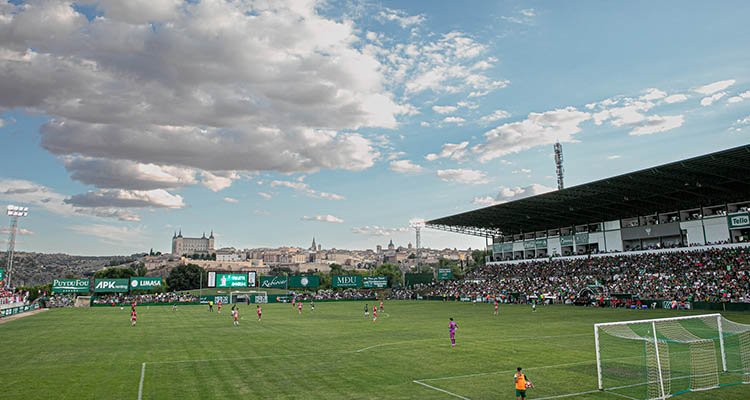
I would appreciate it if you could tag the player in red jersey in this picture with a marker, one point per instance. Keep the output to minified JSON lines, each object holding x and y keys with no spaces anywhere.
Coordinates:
{"x":133,"y":317}
{"x":260,"y":312}
{"x":381,"y":305}
{"x":218,"y":306}
{"x":299,"y":307}
{"x":236,"y":316}
{"x":497,"y":307}
{"x":374,"y":314}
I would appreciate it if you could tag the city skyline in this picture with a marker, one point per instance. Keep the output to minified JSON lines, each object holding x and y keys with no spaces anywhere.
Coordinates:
{"x":344,"y":120}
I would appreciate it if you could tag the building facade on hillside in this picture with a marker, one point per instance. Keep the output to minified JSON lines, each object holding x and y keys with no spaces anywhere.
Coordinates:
{"x":187,"y":246}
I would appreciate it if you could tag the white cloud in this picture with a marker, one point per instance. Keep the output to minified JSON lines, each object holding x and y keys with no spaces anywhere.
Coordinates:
{"x":400,"y":17}
{"x":119,"y":198}
{"x":37,"y":196}
{"x":265,"y":195}
{"x":714,"y":87}
{"x":218,"y":181}
{"x":125,"y":174}
{"x":444,"y":109}
{"x":378,"y":230}
{"x":453,"y":120}
{"x":658,"y":123}
{"x":231,"y":200}
{"x":538,"y":129}
{"x":111,"y":234}
{"x":495,"y":116}
{"x":211,"y":86}
{"x":262,"y":213}
{"x":614,"y":157}
{"x":744,"y":121}
{"x":19,"y":231}
{"x":307,"y":190}
{"x":675,"y":98}
{"x":405,"y":167}
{"x":456,"y":152}
{"x":740,"y":97}
{"x":529,"y":12}
{"x":424,"y":124}
{"x":653,"y":94}
{"x":506,"y":194}
{"x":522,"y":171}
{"x":323,"y":218}
{"x":466,"y":176}
{"x":707,"y":101}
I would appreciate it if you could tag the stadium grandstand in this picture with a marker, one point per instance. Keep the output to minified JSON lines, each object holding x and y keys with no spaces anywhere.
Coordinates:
{"x":694,"y":202}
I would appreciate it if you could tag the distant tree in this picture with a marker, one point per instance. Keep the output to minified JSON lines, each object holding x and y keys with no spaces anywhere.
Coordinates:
{"x":277,"y":271}
{"x":391,"y":271}
{"x":185,"y":277}
{"x":336,"y":269}
{"x":139,"y":269}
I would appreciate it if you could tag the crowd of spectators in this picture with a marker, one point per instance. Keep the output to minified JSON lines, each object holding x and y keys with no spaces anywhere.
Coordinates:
{"x":12,"y":297}
{"x":124,"y":298}
{"x":713,"y":275}
{"x":330,"y":294}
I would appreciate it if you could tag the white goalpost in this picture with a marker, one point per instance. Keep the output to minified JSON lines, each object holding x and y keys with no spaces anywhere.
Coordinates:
{"x":248,"y":296}
{"x":659,"y":358}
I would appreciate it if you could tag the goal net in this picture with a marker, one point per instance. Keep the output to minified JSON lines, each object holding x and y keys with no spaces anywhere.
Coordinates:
{"x":660,"y":358}
{"x":248,"y":297}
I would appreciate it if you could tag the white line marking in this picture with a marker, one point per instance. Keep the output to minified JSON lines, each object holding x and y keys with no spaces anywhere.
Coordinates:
{"x":441,"y":390}
{"x":568,"y":395}
{"x":621,"y":395}
{"x":140,"y":385}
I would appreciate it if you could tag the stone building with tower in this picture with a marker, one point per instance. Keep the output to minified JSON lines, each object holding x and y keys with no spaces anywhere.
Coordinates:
{"x":187,"y":246}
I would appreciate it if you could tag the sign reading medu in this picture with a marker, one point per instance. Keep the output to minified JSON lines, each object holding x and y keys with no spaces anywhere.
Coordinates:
{"x":145,"y":283}
{"x":346,"y":281}
{"x":111,"y":285}
{"x":70,"y":286}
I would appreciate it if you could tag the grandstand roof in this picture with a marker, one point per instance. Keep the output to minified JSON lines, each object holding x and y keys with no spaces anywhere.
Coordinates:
{"x":708,"y":180}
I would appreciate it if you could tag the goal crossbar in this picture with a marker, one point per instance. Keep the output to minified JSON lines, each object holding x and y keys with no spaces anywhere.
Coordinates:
{"x":658,"y":335}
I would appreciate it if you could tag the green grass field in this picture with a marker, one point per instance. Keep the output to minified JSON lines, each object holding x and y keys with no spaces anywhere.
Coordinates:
{"x":332,"y":353}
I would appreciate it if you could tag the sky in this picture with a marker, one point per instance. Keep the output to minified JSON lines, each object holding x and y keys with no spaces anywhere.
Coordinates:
{"x":273,"y":122}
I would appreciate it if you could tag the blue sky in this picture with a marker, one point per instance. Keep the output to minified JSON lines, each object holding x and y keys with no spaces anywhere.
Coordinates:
{"x":271,"y":124}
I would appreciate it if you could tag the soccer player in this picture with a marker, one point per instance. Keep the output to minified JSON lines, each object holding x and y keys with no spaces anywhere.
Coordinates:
{"x":218,"y":306}
{"x":533,"y":306}
{"x":294,"y":302}
{"x":452,"y":326}
{"x":260,"y":312}
{"x":174,"y":306}
{"x":299,"y":307}
{"x":374,"y":313}
{"x":236,"y":315}
{"x":497,"y":307}
{"x":211,"y":306}
{"x":366,"y":312}
{"x":522,"y":383}
{"x":312,"y":305}
{"x":381,"y":305}
{"x":133,"y":317}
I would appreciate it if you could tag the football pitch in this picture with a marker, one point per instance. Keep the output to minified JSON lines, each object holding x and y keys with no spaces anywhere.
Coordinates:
{"x":331,"y":353}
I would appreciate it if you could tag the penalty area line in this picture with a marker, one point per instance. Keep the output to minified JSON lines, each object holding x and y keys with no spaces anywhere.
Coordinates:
{"x":441,"y":390}
{"x":140,"y":385}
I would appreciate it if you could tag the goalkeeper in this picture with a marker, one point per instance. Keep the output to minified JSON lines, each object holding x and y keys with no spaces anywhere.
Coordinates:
{"x":522,"y":383}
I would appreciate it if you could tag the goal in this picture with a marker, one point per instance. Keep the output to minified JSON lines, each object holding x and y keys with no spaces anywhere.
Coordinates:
{"x":248,"y":297}
{"x":660,"y":358}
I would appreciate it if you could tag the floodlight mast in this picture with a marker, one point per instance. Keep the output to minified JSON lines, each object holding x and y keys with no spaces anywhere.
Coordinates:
{"x":418,"y":224}
{"x":14,"y":212}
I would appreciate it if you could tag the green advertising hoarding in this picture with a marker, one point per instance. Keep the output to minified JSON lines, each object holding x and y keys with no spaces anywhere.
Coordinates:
{"x":375,"y":282}
{"x":528,"y":244}
{"x":735,"y":221}
{"x":70,"y":286}
{"x":231,"y":280}
{"x":111,"y":285}
{"x":541,"y":243}
{"x":582,"y":238}
{"x":145,"y":283}
{"x":304,"y":281}
{"x":2,"y":274}
{"x":274,"y":282}
{"x":567,"y":240}
{"x":444,"y":274}
{"x":507,"y":247}
{"x":346,"y":281}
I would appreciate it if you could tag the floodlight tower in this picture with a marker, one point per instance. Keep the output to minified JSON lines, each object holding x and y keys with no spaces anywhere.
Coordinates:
{"x":418,"y":224}
{"x":14,"y":212}
{"x":559,"y":165}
